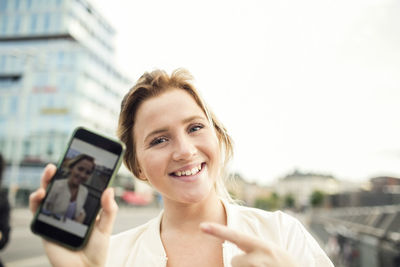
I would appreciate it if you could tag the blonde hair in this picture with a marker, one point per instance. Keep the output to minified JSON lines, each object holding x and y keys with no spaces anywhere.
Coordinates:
{"x":68,"y":165}
{"x":152,"y":84}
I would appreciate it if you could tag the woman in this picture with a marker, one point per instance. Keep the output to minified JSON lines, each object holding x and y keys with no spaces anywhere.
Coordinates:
{"x":179,"y":147}
{"x":67,"y":196}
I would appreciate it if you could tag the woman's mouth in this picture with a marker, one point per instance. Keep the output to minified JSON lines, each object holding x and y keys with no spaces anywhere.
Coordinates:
{"x":188,"y":174}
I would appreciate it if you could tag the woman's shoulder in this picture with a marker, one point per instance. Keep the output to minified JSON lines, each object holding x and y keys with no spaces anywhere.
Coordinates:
{"x":147,"y":232}
{"x":283,"y":229}
{"x":258,"y":215}
{"x":272,"y":225}
{"x":60,"y":182}
{"x":135,"y":244}
{"x":131,"y":235}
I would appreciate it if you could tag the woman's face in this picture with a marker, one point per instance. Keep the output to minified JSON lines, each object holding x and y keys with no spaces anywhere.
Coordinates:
{"x":177,"y":150}
{"x":81,"y":172}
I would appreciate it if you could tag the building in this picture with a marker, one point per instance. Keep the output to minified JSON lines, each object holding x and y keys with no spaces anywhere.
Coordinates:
{"x":57,"y":71}
{"x":385,"y":184}
{"x":301,"y":185}
{"x":381,"y":191}
{"x":245,"y":191}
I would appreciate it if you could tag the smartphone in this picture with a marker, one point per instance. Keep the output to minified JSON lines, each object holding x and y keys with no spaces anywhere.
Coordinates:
{"x":68,"y":211}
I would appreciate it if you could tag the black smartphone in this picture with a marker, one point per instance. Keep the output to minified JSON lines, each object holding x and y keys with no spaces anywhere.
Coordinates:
{"x":88,"y":166}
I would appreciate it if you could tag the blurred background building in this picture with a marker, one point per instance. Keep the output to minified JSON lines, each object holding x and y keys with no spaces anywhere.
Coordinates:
{"x":57,"y":71}
{"x":301,"y":185}
{"x":357,"y":224}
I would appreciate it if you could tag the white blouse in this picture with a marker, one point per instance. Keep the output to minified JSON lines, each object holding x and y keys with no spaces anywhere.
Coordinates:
{"x":142,"y":246}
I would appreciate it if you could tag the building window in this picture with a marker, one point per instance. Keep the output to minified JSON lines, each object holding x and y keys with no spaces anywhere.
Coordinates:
{"x":3,"y":5}
{"x":50,"y":102}
{"x":56,"y":22}
{"x":46,"y":21}
{"x":34,"y":18}
{"x":26,"y":149}
{"x":41,"y":80}
{"x":13,"y":105}
{"x":28,"y":4}
{"x":9,"y":82}
{"x":4,"y":106}
{"x":36,"y":147}
{"x":60,"y":59}
{"x":16,"y":4}
{"x":17,"y":24}
{"x":4,"y":24}
{"x":50,"y":148}
{"x":2,"y":62}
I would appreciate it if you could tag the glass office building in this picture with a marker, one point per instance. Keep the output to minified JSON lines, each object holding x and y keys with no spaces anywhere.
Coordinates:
{"x":57,"y":71}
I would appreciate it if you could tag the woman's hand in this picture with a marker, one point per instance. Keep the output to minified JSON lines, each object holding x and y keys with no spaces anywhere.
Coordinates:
{"x":81,"y":217}
{"x":95,"y":251}
{"x":256,"y":252}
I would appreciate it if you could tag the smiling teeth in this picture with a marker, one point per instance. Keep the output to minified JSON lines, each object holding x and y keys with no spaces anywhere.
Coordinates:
{"x":188,"y":172}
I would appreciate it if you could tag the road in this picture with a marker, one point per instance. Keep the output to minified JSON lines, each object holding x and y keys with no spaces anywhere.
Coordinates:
{"x":25,"y":249}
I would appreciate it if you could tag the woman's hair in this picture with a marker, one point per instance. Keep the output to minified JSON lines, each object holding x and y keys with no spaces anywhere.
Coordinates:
{"x":151,"y":85}
{"x":72,"y":162}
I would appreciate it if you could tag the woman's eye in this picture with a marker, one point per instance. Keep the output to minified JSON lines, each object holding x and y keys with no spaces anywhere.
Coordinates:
{"x":158,"y":141}
{"x":196,"y":128}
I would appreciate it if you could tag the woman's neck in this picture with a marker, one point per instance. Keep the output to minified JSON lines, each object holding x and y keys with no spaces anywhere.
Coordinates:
{"x":187,"y":217}
{"x":72,"y":186}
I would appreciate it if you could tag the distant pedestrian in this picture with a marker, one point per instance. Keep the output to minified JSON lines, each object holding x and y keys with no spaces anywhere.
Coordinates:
{"x":332,"y":248}
{"x":4,"y":212}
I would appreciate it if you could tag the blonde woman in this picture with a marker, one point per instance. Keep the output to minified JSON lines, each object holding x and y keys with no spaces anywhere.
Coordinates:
{"x":68,"y":195}
{"x":180,"y":148}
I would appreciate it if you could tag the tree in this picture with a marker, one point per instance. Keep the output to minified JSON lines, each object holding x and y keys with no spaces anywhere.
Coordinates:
{"x":268,"y":203}
{"x":289,"y":201}
{"x":317,"y":198}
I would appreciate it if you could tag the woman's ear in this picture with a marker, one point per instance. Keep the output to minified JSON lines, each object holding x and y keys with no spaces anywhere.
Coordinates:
{"x":137,"y":170}
{"x":141,"y":175}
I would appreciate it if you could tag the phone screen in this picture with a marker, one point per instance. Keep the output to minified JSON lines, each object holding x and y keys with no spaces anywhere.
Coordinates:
{"x":73,"y":199}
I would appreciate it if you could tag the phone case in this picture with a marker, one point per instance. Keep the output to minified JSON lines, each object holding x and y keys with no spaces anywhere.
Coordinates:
{"x":115,"y":171}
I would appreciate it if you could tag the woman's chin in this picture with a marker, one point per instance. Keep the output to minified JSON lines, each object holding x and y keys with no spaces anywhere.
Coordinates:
{"x":193,"y":199}
{"x":74,"y":183}
{"x":197,"y":196}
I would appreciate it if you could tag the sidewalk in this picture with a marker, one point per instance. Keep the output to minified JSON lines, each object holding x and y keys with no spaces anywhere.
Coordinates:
{"x":26,"y":250}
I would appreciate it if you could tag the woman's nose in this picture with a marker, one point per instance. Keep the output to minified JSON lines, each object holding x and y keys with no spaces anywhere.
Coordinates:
{"x":183,"y":149}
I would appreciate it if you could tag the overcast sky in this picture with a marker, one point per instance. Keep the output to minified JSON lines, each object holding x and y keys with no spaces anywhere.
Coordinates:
{"x":311,"y":84}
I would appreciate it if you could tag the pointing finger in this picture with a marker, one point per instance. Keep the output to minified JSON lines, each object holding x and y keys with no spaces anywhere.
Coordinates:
{"x":244,"y":242}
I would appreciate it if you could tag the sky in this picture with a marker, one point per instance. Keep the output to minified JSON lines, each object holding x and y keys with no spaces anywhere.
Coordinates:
{"x":312,"y":85}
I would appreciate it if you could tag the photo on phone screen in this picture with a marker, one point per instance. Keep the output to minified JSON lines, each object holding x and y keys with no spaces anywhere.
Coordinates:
{"x":73,"y":200}
{"x":77,"y":187}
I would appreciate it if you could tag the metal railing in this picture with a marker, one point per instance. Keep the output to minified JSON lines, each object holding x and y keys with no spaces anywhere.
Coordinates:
{"x":364,"y":236}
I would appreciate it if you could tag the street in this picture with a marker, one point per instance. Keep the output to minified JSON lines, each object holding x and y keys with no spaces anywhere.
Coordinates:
{"x":25,"y":249}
